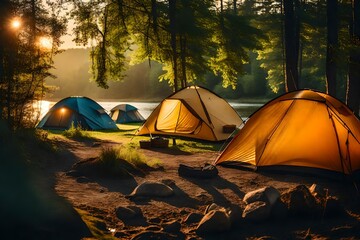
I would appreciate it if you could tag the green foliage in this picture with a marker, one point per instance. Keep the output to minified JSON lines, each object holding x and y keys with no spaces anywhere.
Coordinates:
{"x":76,"y":132}
{"x":95,"y":225}
{"x":235,"y":37}
{"x":124,"y":161}
{"x":100,"y":23}
{"x":133,"y":156}
{"x":24,"y":60}
{"x":271,"y":56}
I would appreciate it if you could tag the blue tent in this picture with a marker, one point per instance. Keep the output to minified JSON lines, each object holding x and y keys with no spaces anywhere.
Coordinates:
{"x":79,"y":111}
{"x":126,"y":113}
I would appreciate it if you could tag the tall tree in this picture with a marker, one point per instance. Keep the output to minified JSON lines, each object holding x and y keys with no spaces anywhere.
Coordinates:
{"x":291,"y":39}
{"x":353,"y":90}
{"x":27,"y":57}
{"x":271,"y":57}
{"x":332,"y":46}
{"x":181,"y":45}
{"x":102,"y":24}
{"x":235,"y":36}
{"x":7,"y":13}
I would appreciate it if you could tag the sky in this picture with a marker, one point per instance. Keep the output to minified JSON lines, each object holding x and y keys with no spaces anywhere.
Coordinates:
{"x":68,"y":43}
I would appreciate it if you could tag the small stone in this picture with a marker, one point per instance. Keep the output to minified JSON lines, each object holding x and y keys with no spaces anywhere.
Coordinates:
{"x":172,"y":227}
{"x":193,"y":218}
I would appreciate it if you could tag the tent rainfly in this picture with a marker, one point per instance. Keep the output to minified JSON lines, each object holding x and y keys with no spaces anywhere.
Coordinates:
{"x":192,"y":112}
{"x":79,"y":111}
{"x":126,"y":113}
{"x":303,"y":130}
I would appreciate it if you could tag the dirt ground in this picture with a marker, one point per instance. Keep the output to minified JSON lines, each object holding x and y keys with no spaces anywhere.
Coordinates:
{"x":100,"y":197}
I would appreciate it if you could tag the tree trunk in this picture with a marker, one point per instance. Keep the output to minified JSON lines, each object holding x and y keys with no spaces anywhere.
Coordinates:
{"x":3,"y":10}
{"x":291,"y":38}
{"x":154,"y":15}
{"x":183,"y":61}
{"x":172,"y":18}
{"x":353,"y":88}
{"x":332,"y":46}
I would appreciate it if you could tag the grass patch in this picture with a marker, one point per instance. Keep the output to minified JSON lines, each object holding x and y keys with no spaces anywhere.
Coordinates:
{"x":126,"y":136}
{"x":111,"y":156}
{"x":76,"y":133}
{"x":96,"y":225}
{"x":133,"y":156}
{"x":120,"y":162}
{"x":196,"y":146}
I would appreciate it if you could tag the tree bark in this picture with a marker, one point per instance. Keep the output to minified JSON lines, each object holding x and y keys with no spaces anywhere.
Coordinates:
{"x":291,"y":38}
{"x":353,"y":86}
{"x":183,"y":61}
{"x":332,"y":46}
{"x":172,"y":18}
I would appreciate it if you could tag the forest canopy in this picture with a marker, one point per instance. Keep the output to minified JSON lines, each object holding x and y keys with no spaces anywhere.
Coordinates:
{"x":237,"y":48}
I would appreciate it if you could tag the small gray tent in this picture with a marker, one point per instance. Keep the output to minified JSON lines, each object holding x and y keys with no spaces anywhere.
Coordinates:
{"x":126,"y":113}
{"x":80,"y":111}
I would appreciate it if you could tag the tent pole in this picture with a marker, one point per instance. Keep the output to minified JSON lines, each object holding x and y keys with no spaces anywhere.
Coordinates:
{"x":337,"y":140}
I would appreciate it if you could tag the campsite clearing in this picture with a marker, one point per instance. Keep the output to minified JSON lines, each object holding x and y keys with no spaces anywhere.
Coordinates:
{"x":99,"y":199}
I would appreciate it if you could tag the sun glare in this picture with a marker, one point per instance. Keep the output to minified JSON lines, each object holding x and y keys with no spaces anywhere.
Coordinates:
{"x":42,"y":106}
{"x":15,"y":23}
{"x":45,"y":42}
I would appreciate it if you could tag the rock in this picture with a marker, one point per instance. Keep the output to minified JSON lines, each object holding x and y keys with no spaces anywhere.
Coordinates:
{"x":172,"y":227}
{"x":211,"y":207}
{"x":183,"y":211}
{"x":155,"y":220}
{"x":153,"y":228}
{"x":151,"y":189}
{"x":214,"y":221}
{"x":193,"y":218}
{"x":318,"y":191}
{"x":265,"y":194}
{"x":279,"y":210}
{"x":100,"y":225}
{"x":333,"y":207}
{"x":73,"y":173}
{"x":235,"y":213}
{"x":168,"y":182}
{"x":146,"y":235}
{"x":121,"y":234}
{"x":300,"y":201}
{"x":125,"y":213}
{"x":257,"y":211}
{"x":82,"y":180}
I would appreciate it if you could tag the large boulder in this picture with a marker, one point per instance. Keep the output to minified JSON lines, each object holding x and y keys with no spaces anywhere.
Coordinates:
{"x":333,"y":207}
{"x":279,"y":210}
{"x":300,"y":201}
{"x":214,"y":221}
{"x":266,"y":194}
{"x":257,"y":211}
{"x":151,"y":189}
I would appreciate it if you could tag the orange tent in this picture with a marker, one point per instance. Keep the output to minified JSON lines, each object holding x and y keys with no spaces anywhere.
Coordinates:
{"x":192,"y":112}
{"x":303,"y":128}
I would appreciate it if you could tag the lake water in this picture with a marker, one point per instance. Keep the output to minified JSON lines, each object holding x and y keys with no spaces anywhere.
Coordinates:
{"x":146,"y":108}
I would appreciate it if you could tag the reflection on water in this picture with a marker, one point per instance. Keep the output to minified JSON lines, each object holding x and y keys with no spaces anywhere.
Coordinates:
{"x":145,"y":108}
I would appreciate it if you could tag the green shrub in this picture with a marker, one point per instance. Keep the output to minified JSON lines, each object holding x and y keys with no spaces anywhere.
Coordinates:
{"x":126,"y":158}
{"x":76,"y":132}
